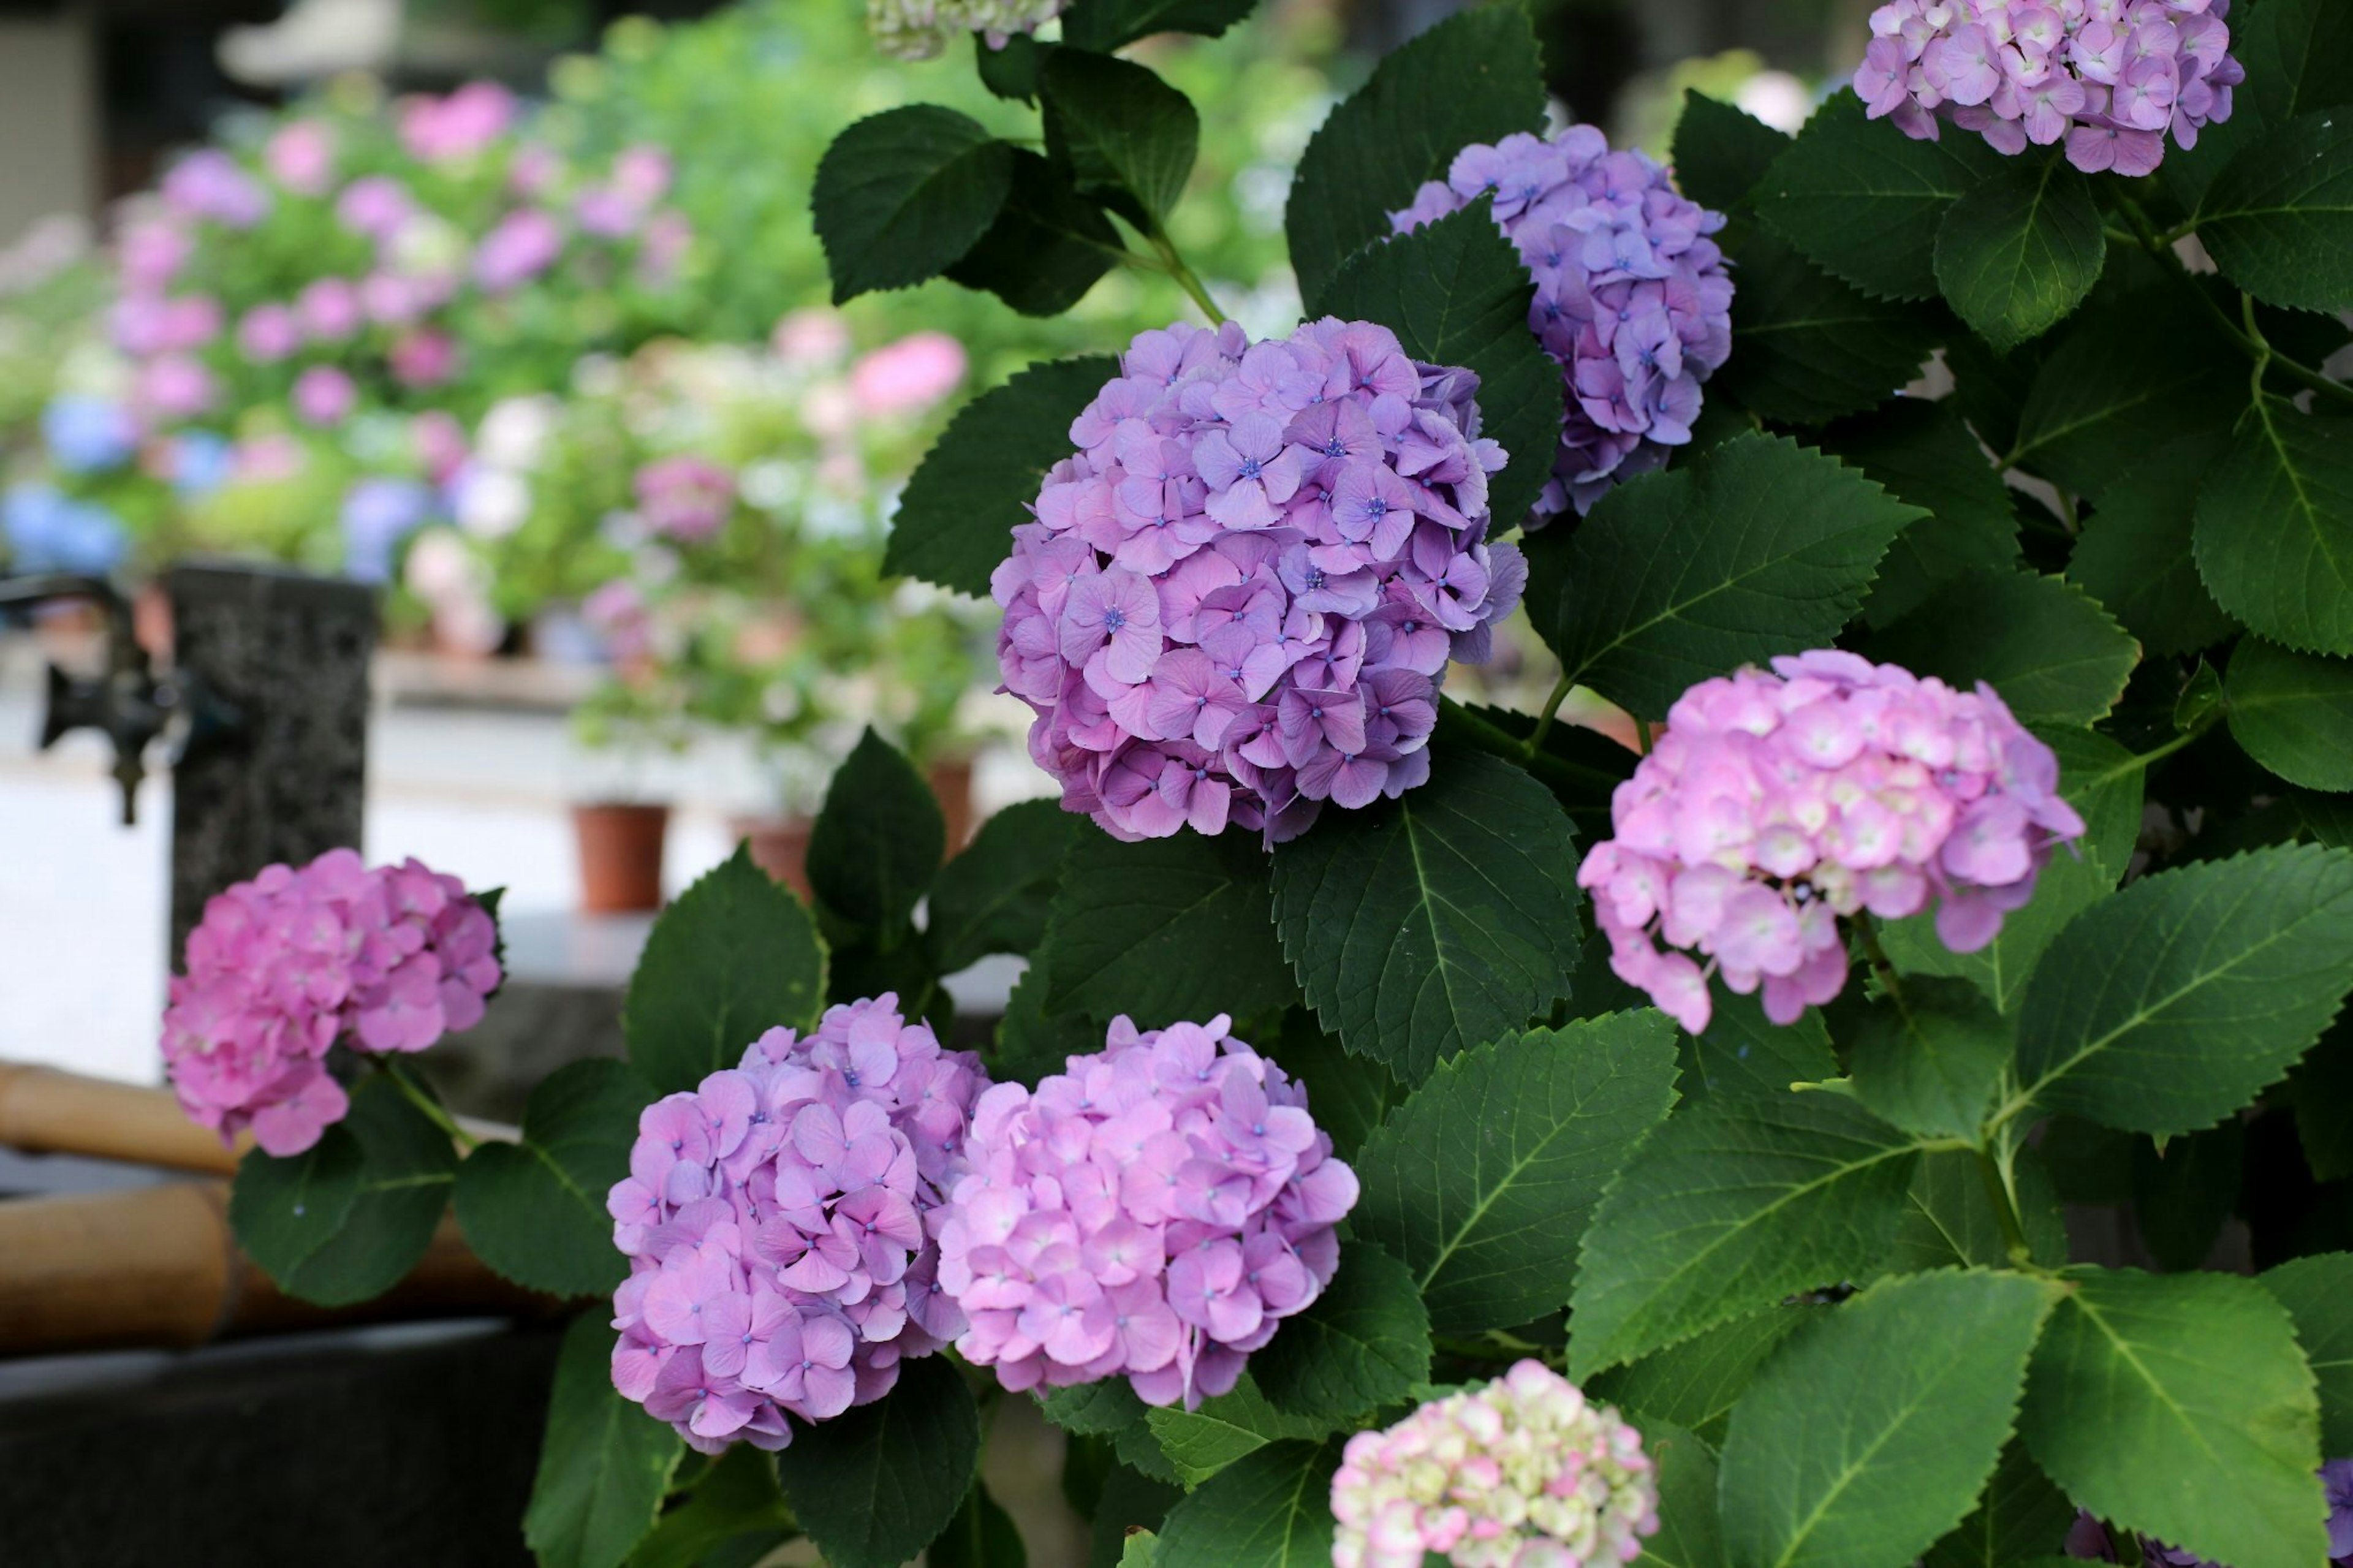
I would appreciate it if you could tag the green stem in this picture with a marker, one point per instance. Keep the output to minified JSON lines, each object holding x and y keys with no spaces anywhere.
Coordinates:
{"x":2005,"y":1210}
{"x":431,"y":1107}
{"x":1185,"y":276}
{"x":1560,"y":690}
{"x":1867,"y":932}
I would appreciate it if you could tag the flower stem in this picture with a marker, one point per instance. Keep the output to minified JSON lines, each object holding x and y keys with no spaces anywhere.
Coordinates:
{"x":2005,"y":1211}
{"x":1867,"y":934}
{"x":1560,"y":690}
{"x":1185,"y":276}
{"x":431,"y":1107}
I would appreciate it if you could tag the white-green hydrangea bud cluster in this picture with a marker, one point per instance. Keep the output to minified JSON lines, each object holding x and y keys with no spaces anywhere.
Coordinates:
{"x":921,"y":29}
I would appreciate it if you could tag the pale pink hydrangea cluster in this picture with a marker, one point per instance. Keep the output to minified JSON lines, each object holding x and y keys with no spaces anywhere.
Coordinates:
{"x":282,"y":967}
{"x":1155,"y":1212}
{"x":1240,"y":597}
{"x":1773,"y":803}
{"x":1523,"y":1473}
{"x":780,"y":1224}
{"x":684,"y":497}
{"x":2112,"y":77}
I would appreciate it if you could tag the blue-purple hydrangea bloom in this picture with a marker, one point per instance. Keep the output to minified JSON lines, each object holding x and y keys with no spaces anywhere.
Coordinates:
{"x":1239,"y":596}
{"x":780,"y":1225}
{"x":1633,"y":299}
{"x":1153,"y":1212}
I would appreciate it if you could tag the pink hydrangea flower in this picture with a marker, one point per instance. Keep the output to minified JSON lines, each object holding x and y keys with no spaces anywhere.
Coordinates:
{"x":1153,"y":1212}
{"x":521,"y":246}
{"x":685,"y":496}
{"x":908,"y":376}
{"x":423,"y":358}
{"x":780,"y":1225}
{"x":173,"y":387}
{"x":1774,"y":804}
{"x":323,"y":396}
{"x":330,"y":309}
{"x":444,"y":130}
{"x":374,"y":206}
{"x":268,"y":333}
{"x":1522,"y":1473}
{"x":301,"y":156}
{"x":209,"y":184}
{"x":283,"y":967}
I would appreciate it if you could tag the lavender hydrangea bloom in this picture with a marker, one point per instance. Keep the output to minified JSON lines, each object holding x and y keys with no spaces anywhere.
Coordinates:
{"x":1633,"y":299}
{"x":780,"y":1225}
{"x":1239,"y":598}
{"x":1155,"y":1212}
{"x":2111,"y":77}
{"x":921,"y":29}
{"x":1775,"y":803}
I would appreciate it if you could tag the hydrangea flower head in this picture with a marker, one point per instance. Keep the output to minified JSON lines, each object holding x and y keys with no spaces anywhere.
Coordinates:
{"x":1152,"y":1212}
{"x":685,"y":496}
{"x":1239,"y":598}
{"x":1523,"y":1473}
{"x":1773,"y":804}
{"x":780,"y":1223}
{"x":280,"y":968}
{"x":921,"y":29}
{"x":1632,"y":300}
{"x":2110,"y":77}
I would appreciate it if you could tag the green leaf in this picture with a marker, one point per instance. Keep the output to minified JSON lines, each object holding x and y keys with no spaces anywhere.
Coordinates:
{"x":2102,"y":782}
{"x":734,"y":957}
{"x":1696,"y":1383}
{"x":1731,"y":1206}
{"x":2016,"y":1521}
{"x":1272,"y":1510}
{"x":1870,"y":1433}
{"x":1743,"y":1055}
{"x":2145,"y":1381}
{"x":981,"y":1535}
{"x":1864,"y":201}
{"x":534,"y":1209}
{"x":604,"y":1464}
{"x":2018,"y":252}
{"x":736,"y":1498}
{"x":955,"y":523}
{"x":1126,"y":135}
{"x":1423,"y":925}
{"x":2299,"y":57}
{"x":1922,"y":455}
{"x":2183,"y":1192}
{"x":2134,"y":554}
{"x":1348,"y":1095}
{"x":2278,"y":219}
{"x":2316,"y":1090}
{"x":1720,"y":153}
{"x":1930,"y":1060}
{"x":1164,"y":930}
{"x":1048,"y":244}
{"x":382,"y":1226}
{"x":2318,"y":1295}
{"x":2293,"y":712}
{"x":902,"y":195}
{"x":1484,"y":1179}
{"x":1359,"y":1345}
{"x":1010,"y":71}
{"x":995,"y":894}
{"x":2047,"y":646}
{"x":2174,"y":1003}
{"x":1140,"y":1550}
{"x":1690,"y":1535}
{"x":879,"y":839}
{"x":1093,"y":1409}
{"x":1475,"y":77}
{"x":1949,"y":1219}
{"x":874,"y":1485}
{"x":1456,"y":292}
{"x":1812,"y":348}
{"x":1107,"y":24}
{"x":2274,"y":531}
{"x":2111,"y":392}
{"x":1200,"y":1443}
{"x":1757,"y":547}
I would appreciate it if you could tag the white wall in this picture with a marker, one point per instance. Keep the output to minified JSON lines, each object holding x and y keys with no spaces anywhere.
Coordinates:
{"x":49,"y":119}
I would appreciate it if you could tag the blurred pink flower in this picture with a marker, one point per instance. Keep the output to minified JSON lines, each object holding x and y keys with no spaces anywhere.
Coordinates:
{"x":811,"y":337}
{"x":330,"y":308}
{"x":441,"y":129}
{"x":374,"y":205}
{"x":907,"y":376}
{"x":642,"y":174}
{"x":268,"y":333}
{"x":391,"y":301}
{"x":301,"y":157}
{"x":424,"y":359}
{"x":667,"y":237}
{"x":266,"y":459}
{"x":685,"y":496}
{"x":152,"y":254}
{"x":441,"y":444}
{"x":604,"y":211}
{"x":616,"y":613}
{"x":173,"y":387}
{"x":532,"y":170}
{"x":323,"y":396}
{"x":520,"y":247}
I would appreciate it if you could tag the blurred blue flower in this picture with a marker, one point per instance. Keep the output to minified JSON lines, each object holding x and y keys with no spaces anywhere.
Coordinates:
{"x":200,"y":463}
{"x":87,"y":434}
{"x":47,"y":531}
{"x":378,"y":514}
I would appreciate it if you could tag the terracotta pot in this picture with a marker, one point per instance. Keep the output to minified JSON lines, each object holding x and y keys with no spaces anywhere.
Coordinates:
{"x":620,"y":856}
{"x":779,"y":846}
{"x":952,"y":781}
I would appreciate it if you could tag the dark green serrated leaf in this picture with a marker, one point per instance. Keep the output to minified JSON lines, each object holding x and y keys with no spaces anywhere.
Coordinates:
{"x":2299,"y":57}
{"x":1010,"y":70}
{"x":2134,"y":554}
{"x":2047,"y":646}
{"x":1483,"y":1179}
{"x":1756,"y":548}
{"x":734,"y":957}
{"x":1093,"y":1409}
{"x":1108,"y":24}
{"x":1420,"y":926}
{"x":1200,"y":1443}
{"x":981,"y":1535}
{"x":1810,"y":347}
{"x":2274,"y":530}
{"x":1720,"y":153}
{"x":955,"y":524}
{"x":1929,"y":1060}
{"x":2018,"y":253}
{"x":1690,"y":1535}
{"x":2184,"y":1192}
{"x":2111,"y":392}
{"x":994,"y":896}
{"x":1696,"y":1383}
{"x":1582,"y":767}
{"x":2173,"y":1002}
{"x":878,"y":841}
{"x":901,"y":195}
{"x":2318,"y":1295}
{"x":1031,"y":1042}
{"x":1864,"y":201}
{"x":1361,"y":1344}
{"x":874,"y":1485}
{"x":1271,"y":1509}
{"x":1164,"y":930}
{"x":1348,"y":1095}
{"x":1949,"y":1219}
{"x":534,"y":1209}
{"x":1871,"y":1433}
{"x":1475,"y":77}
{"x":2293,"y":712}
{"x":1456,"y":292}
{"x":1125,"y":136}
{"x":1922,"y":454}
{"x":1047,"y":245}
{"x":737,"y":1498}
{"x":2020,"y":1514}
{"x":2278,"y":219}
{"x":1729,"y":1207}
{"x":283,"y":1209}
{"x":1743,"y":1055}
{"x":2141,"y":1380}
{"x":1132,"y":1504}
{"x":604,"y":1464}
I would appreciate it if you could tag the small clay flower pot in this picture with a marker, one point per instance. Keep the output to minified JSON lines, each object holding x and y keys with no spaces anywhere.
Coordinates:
{"x":952,"y":781}
{"x":620,"y":856}
{"x":779,"y":846}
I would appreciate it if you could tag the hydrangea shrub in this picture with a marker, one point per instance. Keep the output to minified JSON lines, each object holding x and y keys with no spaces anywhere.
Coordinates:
{"x":1664,"y":1103}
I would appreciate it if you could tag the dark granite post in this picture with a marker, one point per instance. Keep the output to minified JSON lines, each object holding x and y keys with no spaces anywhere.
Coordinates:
{"x":289,"y":653}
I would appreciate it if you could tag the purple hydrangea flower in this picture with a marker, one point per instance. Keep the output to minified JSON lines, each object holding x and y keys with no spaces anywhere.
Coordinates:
{"x":2110,"y":77}
{"x":1633,"y":299}
{"x":209,"y":184}
{"x":1773,"y":803}
{"x":1152,"y":1212}
{"x":780,"y":1225}
{"x":1239,"y":598}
